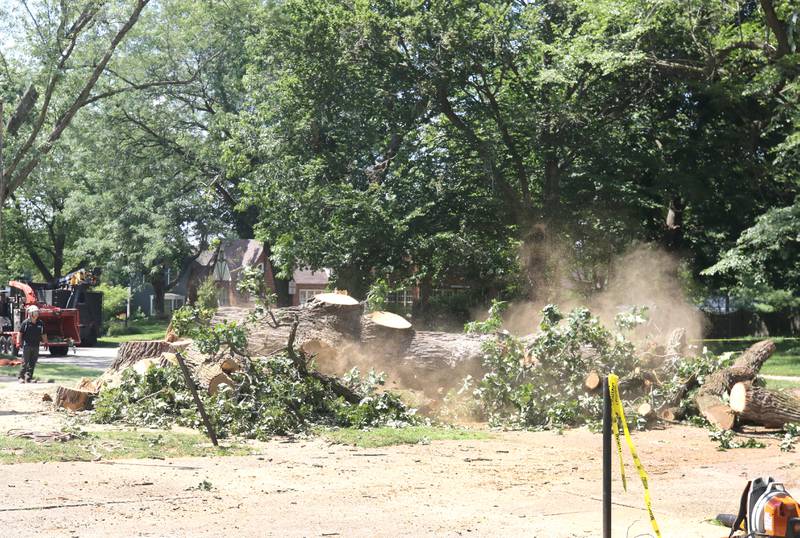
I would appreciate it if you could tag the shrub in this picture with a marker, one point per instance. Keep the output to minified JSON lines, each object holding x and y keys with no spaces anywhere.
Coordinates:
{"x":207,"y":294}
{"x":117,"y":328}
{"x":115,"y":300}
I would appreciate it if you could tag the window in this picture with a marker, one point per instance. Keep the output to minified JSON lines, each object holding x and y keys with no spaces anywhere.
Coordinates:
{"x":401,"y":297}
{"x":308,"y":295}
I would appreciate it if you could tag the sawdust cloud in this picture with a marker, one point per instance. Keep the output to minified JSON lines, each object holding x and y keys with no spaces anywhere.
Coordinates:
{"x":644,"y":275}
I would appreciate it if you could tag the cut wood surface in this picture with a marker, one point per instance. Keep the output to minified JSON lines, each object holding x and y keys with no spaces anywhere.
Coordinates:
{"x":769,"y":408}
{"x":592,"y":382}
{"x":671,"y":414}
{"x":211,"y":376}
{"x":336,"y":298}
{"x":74,"y":399}
{"x":709,"y":398}
{"x":389,"y":320}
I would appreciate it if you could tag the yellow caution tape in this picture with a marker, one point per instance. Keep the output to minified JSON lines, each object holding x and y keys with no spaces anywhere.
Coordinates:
{"x":618,"y":415}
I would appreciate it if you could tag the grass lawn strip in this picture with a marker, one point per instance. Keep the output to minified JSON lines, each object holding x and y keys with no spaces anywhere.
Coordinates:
{"x":89,"y":446}
{"x":412,"y":435}
{"x":147,"y":330}
{"x":778,"y":384}
{"x":58,"y":372}
{"x":785,"y":360}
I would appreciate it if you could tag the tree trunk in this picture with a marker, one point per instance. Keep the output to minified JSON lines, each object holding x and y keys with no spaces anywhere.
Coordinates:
{"x":341,"y":337}
{"x":674,"y":223}
{"x":709,"y":398}
{"x":282,"y":292}
{"x":58,"y":254}
{"x":129,"y":353}
{"x":757,"y":405}
{"x":159,"y":291}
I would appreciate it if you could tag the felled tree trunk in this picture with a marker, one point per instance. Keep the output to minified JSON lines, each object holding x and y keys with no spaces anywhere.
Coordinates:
{"x":341,"y":337}
{"x":709,"y":398}
{"x":757,"y":405}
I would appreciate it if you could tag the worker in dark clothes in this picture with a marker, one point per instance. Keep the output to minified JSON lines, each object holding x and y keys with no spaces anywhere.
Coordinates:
{"x":32,"y":334}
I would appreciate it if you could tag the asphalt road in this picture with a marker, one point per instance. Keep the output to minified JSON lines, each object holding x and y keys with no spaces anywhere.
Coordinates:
{"x":86,"y":357}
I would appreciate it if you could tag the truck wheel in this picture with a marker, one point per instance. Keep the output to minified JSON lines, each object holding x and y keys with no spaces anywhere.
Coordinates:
{"x":59,"y":351}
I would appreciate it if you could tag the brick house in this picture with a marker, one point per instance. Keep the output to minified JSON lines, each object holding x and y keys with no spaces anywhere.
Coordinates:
{"x":226,"y":262}
{"x":305,"y":284}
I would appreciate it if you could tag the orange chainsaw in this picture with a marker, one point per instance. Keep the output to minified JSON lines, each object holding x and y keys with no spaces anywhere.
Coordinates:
{"x":766,"y":509}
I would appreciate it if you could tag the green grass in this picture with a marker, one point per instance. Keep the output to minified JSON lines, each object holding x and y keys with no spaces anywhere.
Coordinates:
{"x":412,"y":435}
{"x":114,"y":445}
{"x":776,"y":384}
{"x":785,"y":360}
{"x":147,"y":329}
{"x":58,"y":372}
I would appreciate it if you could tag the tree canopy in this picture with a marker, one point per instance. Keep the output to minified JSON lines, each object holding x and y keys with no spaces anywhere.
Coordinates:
{"x":495,"y":143}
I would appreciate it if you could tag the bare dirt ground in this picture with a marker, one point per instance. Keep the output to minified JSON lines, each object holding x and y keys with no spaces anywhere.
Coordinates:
{"x":516,"y":484}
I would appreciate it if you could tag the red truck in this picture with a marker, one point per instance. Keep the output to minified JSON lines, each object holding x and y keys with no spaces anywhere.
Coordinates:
{"x":61,"y":325}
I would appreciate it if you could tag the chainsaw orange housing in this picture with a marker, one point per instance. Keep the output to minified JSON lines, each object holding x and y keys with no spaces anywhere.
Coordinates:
{"x":777,"y":513}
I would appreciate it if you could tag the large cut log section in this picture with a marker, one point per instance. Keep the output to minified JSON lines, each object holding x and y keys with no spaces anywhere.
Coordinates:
{"x":710,"y":398}
{"x":340,"y":337}
{"x":757,"y":405}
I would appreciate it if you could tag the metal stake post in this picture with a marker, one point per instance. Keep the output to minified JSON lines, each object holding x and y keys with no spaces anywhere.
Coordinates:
{"x":606,"y":460}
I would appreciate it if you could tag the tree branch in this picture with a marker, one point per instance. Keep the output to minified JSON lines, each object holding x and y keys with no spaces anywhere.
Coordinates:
{"x":778,"y":28}
{"x":64,"y":120}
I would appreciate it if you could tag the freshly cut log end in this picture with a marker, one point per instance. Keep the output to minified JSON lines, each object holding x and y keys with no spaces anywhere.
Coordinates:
{"x":74,"y":399}
{"x":89,"y":384}
{"x":764,"y":407}
{"x":389,"y":320}
{"x":716,"y":412}
{"x":229,"y":365}
{"x":592,"y":382}
{"x":336,"y":298}
{"x":709,"y":398}
{"x":646,"y":411}
{"x":211,"y":377}
{"x":671,"y":414}
{"x":738,"y":397}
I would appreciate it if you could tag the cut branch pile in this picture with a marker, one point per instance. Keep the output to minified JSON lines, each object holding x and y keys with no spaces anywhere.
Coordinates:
{"x":339,"y":337}
{"x":728,"y":397}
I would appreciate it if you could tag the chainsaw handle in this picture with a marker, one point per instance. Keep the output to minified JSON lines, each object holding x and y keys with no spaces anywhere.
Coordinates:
{"x":728,"y":520}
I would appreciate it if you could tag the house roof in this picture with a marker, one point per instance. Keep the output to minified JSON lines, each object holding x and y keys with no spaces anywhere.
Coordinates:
{"x":307,"y":276}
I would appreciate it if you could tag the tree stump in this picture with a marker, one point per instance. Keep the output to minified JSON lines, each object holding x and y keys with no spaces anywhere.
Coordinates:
{"x":74,"y":399}
{"x":132,"y":352}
